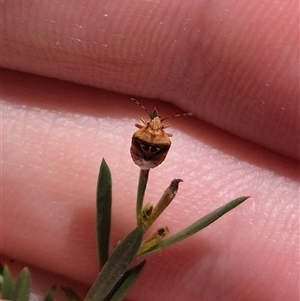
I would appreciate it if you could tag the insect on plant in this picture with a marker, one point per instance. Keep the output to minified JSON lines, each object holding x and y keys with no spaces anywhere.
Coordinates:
{"x":117,"y":270}
{"x":150,"y":143}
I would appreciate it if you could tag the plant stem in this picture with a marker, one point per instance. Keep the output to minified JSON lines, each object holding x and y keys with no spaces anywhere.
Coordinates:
{"x":143,"y":179}
{"x":167,"y":197}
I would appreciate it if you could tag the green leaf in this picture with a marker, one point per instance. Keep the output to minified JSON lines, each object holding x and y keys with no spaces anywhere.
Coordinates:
{"x":21,"y":290}
{"x":7,"y":283}
{"x":126,"y":283}
{"x":50,"y":295}
{"x":116,"y":266}
{"x":197,"y":226}
{"x":104,"y":200}
{"x":71,"y":295}
{"x":1,"y":278}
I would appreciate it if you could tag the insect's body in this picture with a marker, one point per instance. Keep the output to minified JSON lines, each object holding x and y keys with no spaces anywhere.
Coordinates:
{"x":150,"y":143}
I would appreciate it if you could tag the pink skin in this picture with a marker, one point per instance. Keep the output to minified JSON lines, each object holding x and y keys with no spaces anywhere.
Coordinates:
{"x":233,"y":65}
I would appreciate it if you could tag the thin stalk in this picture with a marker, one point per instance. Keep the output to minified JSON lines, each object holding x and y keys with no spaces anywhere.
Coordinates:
{"x":165,"y":200}
{"x":143,"y":179}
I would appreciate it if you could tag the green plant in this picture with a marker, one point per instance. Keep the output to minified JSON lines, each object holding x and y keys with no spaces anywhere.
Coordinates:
{"x":150,"y":145}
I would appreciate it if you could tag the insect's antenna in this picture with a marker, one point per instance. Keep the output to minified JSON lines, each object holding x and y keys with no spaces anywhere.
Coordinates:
{"x":178,"y":115}
{"x":140,"y":105}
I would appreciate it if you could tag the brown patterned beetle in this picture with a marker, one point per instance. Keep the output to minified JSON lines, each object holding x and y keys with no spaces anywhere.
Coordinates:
{"x":150,"y":143}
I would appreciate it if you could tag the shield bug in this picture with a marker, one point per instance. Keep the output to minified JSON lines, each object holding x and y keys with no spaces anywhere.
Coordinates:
{"x":150,"y":143}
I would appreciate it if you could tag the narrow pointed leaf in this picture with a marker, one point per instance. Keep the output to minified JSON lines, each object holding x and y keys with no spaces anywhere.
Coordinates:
{"x":126,"y":283}
{"x":1,"y":277}
{"x":197,"y":226}
{"x":50,"y":295}
{"x":7,"y":283}
{"x":71,"y":295}
{"x":104,"y":200}
{"x":116,"y":266}
{"x":21,"y":290}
